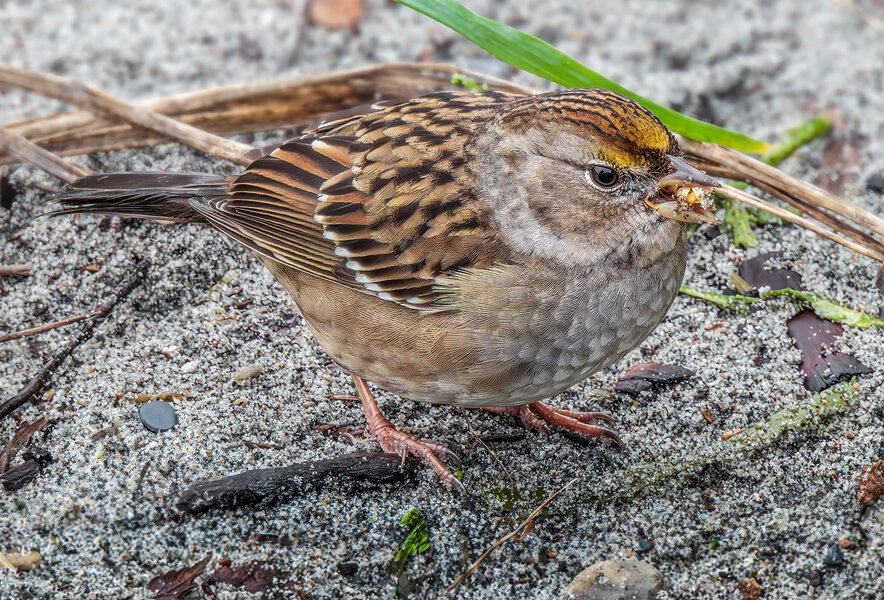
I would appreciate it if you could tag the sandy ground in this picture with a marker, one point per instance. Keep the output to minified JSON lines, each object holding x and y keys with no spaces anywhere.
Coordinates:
{"x":101,"y":512}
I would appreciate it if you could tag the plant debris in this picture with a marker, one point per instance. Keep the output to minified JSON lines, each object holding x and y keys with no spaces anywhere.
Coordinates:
{"x":19,"y":440}
{"x":258,"y":576}
{"x":725,"y":301}
{"x":647,"y":376}
{"x":416,"y":542}
{"x":267,"y":486}
{"x":15,"y":270}
{"x":16,"y":561}
{"x":871,"y":483}
{"x":750,"y":589}
{"x":829,"y":309}
{"x":806,"y":414}
{"x":821,"y":364}
{"x":172,"y":585}
{"x":22,"y":474}
{"x":7,"y":192}
{"x":125,"y":287}
{"x":247,"y":373}
{"x":519,"y":533}
{"x":755,"y":272}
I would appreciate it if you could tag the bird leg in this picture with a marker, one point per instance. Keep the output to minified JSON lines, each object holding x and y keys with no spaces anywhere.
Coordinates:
{"x":585,"y":424}
{"x":395,"y":441}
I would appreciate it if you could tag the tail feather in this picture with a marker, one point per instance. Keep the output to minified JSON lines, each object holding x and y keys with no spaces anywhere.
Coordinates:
{"x":158,"y":196}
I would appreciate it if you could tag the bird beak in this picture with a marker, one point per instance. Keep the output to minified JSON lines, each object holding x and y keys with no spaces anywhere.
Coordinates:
{"x":685,"y":194}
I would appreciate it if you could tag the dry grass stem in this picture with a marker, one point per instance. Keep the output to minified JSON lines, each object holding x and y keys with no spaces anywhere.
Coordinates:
{"x":820,"y":215}
{"x":249,"y":108}
{"x":525,"y":526}
{"x":15,"y":270}
{"x":47,"y":327}
{"x":483,"y":444}
{"x":96,"y":101}
{"x":732,"y":192}
{"x":298,"y":100}
{"x":755,"y":170}
{"x":32,"y":154}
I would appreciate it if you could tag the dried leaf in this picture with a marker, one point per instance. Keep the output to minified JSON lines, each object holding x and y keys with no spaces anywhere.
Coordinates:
{"x":871,"y":483}
{"x":335,"y":14}
{"x":21,"y":475}
{"x":822,"y":366}
{"x":15,"y":561}
{"x":750,"y":589}
{"x":754,"y":272}
{"x":19,"y":441}
{"x":257,"y":576}
{"x":176,"y":584}
{"x":646,"y":376}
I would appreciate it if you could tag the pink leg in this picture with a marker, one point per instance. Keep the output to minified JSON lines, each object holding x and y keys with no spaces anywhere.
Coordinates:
{"x":537,"y":414}
{"x":397,"y":442}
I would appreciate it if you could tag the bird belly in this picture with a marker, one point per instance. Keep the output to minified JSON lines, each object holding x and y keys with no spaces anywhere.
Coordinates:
{"x":519,"y":340}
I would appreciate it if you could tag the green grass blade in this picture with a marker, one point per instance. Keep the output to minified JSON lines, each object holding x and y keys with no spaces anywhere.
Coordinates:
{"x":542,"y":59}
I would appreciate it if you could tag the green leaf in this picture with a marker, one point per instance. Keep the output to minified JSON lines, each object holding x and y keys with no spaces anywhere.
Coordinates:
{"x":795,"y":138}
{"x":467,"y":82}
{"x":542,"y":59}
{"x":822,"y":306}
{"x":416,"y":542}
{"x":737,"y":218}
{"x":724,"y":301}
{"x":792,"y":140}
{"x":829,"y":309}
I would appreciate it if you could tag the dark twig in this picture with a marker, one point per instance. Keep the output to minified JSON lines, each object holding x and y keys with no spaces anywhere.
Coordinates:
{"x":266,"y":486}
{"x":47,"y":327}
{"x":83,"y":334}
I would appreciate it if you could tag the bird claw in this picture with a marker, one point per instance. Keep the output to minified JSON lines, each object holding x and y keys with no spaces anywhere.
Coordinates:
{"x":537,"y":414}
{"x":397,"y":442}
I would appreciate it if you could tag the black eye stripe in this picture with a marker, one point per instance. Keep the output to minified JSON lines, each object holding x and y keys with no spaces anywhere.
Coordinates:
{"x":604,"y":176}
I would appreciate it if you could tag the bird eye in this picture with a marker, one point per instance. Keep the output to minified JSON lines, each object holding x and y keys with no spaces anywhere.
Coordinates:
{"x":603,"y":177}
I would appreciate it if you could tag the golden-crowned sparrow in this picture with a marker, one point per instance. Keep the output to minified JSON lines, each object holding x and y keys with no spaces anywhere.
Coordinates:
{"x":468,"y":248}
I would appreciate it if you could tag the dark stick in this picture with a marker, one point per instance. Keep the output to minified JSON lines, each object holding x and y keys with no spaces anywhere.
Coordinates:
{"x":83,"y":334}
{"x":266,"y":486}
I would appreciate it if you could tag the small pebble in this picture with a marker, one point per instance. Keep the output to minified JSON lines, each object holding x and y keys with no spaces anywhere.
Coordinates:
{"x":834,"y":557}
{"x":616,"y":580}
{"x":190,"y":367}
{"x":645,"y":546}
{"x":347,"y":569}
{"x":875,"y":183}
{"x":248,"y":372}
{"x":158,"y":416}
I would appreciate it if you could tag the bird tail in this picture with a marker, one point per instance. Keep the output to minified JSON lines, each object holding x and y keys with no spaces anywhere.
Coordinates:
{"x":157,"y":196}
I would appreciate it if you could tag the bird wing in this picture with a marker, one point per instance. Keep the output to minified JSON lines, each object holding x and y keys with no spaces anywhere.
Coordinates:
{"x":382,"y":202}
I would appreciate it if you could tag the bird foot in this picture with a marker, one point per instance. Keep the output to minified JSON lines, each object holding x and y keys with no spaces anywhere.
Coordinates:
{"x":585,"y":424}
{"x":397,"y":442}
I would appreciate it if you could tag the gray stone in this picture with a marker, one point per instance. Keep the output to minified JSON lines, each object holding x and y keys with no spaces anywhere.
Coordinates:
{"x":616,"y":580}
{"x":158,"y":416}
